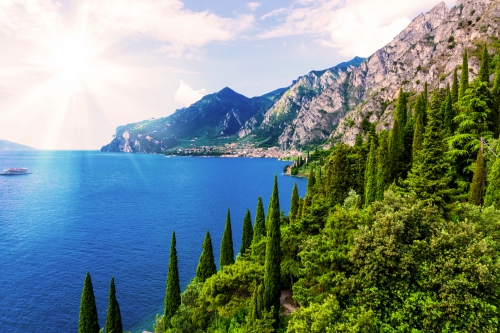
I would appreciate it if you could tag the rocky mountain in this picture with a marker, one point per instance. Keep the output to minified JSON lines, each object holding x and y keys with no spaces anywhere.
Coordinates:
{"x":11,"y":146}
{"x":428,"y":50}
{"x":336,"y":103}
{"x":217,"y":115}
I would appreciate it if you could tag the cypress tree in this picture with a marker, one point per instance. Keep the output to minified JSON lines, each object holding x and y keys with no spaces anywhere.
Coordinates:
{"x":173,"y":294}
{"x":226,"y":246}
{"x":492,"y":197}
{"x":477,"y":186}
{"x":294,"y":206}
{"x":449,"y":114}
{"x":88,"y":321}
{"x":311,"y":181}
{"x":259,"y":229}
{"x":114,"y":318}
{"x":396,"y":146}
{"x":370,"y":175}
{"x":484,"y":70}
{"x":464,"y":77}
{"x":341,"y":180}
{"x":417,"y":138}
{"x":255,"y":312}
{"x":454,"y":87}
{"x":383,"y":165}
{"x":272,"y":261}
{"x":247,"y":236}
{"x":206,"y":265}
{"x":428,"y":176}
{"x":495,"y":109}
{"x":425,"y":97}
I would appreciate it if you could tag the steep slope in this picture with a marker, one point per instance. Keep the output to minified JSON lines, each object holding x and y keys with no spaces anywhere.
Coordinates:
{"x":221,"y":114}
{"x":268,"y":126}
{"x":11,"y":146}
{"x":428,"y":50}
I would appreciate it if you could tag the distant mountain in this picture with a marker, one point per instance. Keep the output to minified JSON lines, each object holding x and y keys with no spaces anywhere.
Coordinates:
{"x":8,"y":146}
{"x":215,"y":116}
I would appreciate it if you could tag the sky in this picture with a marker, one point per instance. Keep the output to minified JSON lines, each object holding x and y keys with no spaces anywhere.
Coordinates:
{"x":72,"y":71}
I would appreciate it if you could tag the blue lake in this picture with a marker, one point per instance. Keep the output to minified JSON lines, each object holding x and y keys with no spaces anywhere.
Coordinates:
{"x":113,"y":215}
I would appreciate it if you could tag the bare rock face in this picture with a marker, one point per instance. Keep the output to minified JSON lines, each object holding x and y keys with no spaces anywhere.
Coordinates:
{"x":428,"y":50}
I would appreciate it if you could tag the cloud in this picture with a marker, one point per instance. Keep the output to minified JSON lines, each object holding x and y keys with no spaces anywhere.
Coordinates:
{"x":253,"y":5}
{"x":353,"y":27}
{"x":185,"y":95}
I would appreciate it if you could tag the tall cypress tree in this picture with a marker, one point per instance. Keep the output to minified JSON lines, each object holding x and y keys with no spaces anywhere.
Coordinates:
{"x":464,"y":77}
{"x":477,"y":186}
{"x":495,"y":108}
{"x":226,"y":246}
{"x":484,"y":70}
{"x":371,"y":175}
{"x":259,"y":227}
{"x":173,"y":294}
{"x":294,"y":206}
{"x":341,"y":180}
{"x":492,"y":197}
{"x":88,"y":321}
{"x":114,"y":318}
{"x":449,"y":114}
{"x":425,"y":96}
{"x":311,"y":181}
{"x":247,"y":235}
{"x":383,"y":164}
{"x":418,"y":138}
{"x":428,"y":177}
{"x":206,"y":265}
{"x":454,"y":87}
{"x":273,"y":253}
{"x":396,"y":146}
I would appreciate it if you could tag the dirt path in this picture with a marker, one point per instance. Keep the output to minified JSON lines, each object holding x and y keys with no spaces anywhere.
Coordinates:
{"x":287,"y":302}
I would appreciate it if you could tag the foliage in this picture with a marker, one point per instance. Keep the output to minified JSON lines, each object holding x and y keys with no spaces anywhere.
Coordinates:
{"x":226,"y":246}
{"x":492,"y":197}
{"x":247,"y":234}
{"x":173,"y":294}
{"x":88,"y":321}
{"x":113,"y":319}
{"x":477,"y":186}
{"x":206,"y":265}
{"x":464,"y":76}
{"x":259,"y":230}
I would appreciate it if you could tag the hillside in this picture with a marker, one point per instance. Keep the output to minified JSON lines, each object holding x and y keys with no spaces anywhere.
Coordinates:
{"x":10,"y":146}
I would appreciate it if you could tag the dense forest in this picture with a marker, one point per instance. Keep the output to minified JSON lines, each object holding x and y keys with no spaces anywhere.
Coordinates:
{"x":398,"y":233}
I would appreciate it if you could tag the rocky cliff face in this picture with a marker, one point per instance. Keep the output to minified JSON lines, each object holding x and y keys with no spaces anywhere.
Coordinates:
{"x":428,"y":50}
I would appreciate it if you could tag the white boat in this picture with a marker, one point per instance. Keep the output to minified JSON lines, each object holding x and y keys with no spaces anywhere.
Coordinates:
{"x":15,"y":172}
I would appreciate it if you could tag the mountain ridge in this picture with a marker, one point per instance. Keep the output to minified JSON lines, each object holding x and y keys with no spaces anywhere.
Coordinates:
{"x":6,"y":145}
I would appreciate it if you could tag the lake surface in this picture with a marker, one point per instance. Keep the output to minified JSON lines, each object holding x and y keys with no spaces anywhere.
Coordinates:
{"x":113,"y":215}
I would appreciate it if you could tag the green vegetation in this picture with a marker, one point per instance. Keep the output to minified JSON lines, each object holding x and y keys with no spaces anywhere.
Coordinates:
{"x":114,"y":318}
{"x":391,"y":236}
{"x":88,"y":321}
{"x":173,"y":295}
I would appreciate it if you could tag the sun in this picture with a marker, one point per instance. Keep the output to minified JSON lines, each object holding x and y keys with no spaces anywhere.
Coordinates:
{"x":72,"y":56}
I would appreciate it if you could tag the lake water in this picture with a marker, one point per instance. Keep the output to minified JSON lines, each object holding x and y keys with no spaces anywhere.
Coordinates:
{"x":113,"y":215}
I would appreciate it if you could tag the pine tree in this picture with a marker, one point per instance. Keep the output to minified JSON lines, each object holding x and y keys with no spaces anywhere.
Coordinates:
{"x":173,"y":294}
{"x":472,"y":123}
{"x":428,"y":177}
{"x":259,"y":227}
{"x":206,"y":265}
{"x":88,"y":321}
{"x":484,"y":70}
{"x":114,"y":318}
{"x":294,"y":206}
{"x":247,"y":236}
{"x":273,"y":253}
{"x":311,"y":181}
{"x":477,"y":186}
{"x":226,"y":246}
{"x":454,"y":87}
{"x":449,"y":115}
{"x":417,"y":138}
{"x":396,"y":146}
{"x":492,"y":197}
{"x":370,"y":175}
{"x":383,"y":165}
{"x":464,"y":77}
